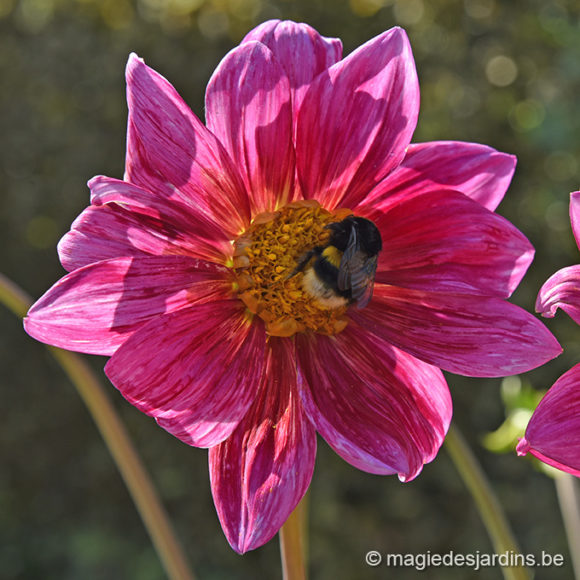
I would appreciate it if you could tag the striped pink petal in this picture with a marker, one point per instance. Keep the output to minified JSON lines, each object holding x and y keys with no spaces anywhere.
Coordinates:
{"x":475,"y":336}
{"x":379,"y":408}
{"x":248,"y":107}
{"x":260,"y":473}
{"x":561,"y":290}
{"x":441,"y":240}
{"x":575,"y":215}
{"x":170,"y":152}
{"x":356,"y":120}
{"x":478,"y":171}
{"x":552,"y":433}
{"x":97,"y":308}
{"x":301,"y":50}
{"x":126,"y":220}
{"x":196,"y":370}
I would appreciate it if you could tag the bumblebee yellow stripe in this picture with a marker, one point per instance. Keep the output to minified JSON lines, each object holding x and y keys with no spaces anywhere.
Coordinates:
{"x":332,"y":255}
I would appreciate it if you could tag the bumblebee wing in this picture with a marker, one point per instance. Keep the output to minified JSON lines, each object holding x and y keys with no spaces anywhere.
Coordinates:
{"x":363,"y":280}
{"x":357,"y":272}
{"x":347,"y":262}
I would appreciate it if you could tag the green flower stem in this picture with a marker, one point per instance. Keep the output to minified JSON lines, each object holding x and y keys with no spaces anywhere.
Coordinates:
{"x":487,"y":504}
{"x":118,"y":442}
{"x":293,"y":544}
{"x":569,"y":500}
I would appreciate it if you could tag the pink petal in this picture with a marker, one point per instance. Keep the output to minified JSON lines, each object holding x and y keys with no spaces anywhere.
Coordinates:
{"x":575,"y":215}
{"x":248,"y":107}
{"x":478,"y":171}
{"x":380,"y":409}
{"x":126,"y":220}
{"x":301,"y":50}
{"x":97,"y":308}
{"x":552,"y":433}
{"x":170,"y":152}
{"x":260,"y":473}
{"x":561,"y":290}
{"x":196,"y":370}
{"x":441,"y":240}
{"x":476,"y":336}
{"x":356,"y":121}
{"x":186,"y":218}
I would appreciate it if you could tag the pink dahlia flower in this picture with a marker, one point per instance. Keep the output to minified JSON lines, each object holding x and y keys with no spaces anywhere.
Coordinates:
{"x":553,"y":433}
{"x":186,"y":272}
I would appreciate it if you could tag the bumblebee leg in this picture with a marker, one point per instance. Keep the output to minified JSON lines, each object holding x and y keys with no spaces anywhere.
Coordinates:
{"x":303,"y":261}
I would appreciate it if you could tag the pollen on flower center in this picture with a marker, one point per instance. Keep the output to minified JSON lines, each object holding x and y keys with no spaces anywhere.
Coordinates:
{"x":265,"y":259}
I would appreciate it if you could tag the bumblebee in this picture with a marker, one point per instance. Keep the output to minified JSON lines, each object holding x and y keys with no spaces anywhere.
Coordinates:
{"x":343,"y":271}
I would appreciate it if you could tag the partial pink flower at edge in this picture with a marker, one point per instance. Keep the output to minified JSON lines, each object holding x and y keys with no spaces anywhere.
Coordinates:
{"x":562,"y":289}
{"x":153,"y":281}
{"x":552,"y":434}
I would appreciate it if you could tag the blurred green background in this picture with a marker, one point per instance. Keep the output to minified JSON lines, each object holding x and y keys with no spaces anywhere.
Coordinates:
{"x":506,"y":74}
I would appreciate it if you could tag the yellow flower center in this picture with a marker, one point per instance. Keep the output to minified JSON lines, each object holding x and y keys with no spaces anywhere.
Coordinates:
{"x":266,"y":256}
